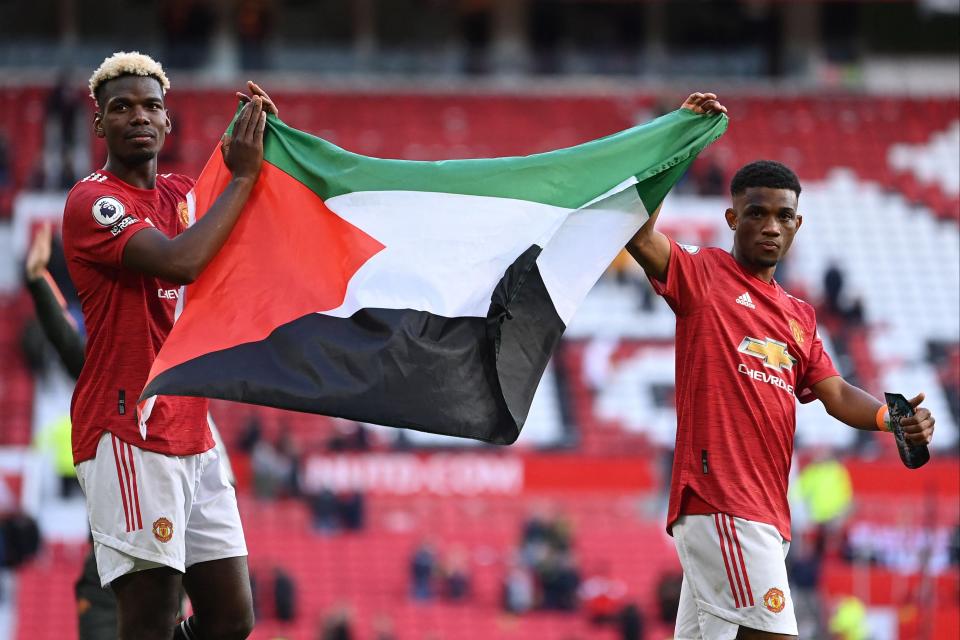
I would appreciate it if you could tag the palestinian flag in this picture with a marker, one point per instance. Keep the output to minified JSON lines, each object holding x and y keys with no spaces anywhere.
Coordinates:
{"x":427,"y":295}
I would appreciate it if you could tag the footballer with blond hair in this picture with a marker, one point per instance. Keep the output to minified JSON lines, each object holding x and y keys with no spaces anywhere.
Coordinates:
{"x":162,"y":511}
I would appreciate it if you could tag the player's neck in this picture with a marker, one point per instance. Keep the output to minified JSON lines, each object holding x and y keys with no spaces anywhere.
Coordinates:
{"x":141,"y":175}
{"x":761,"y":272}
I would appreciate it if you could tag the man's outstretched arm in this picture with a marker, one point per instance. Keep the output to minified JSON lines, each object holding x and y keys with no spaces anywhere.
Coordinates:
{"x":649,"y":247}
{"x":855,"y":407}
{"x":181,"y":259}
{"x":57,"y":325}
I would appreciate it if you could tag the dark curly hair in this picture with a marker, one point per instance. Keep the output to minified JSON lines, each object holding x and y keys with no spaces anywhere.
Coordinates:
{"x":764,"y":173}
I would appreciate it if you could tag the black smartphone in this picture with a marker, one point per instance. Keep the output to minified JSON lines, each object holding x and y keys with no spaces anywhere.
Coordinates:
{"x":913,"y":456}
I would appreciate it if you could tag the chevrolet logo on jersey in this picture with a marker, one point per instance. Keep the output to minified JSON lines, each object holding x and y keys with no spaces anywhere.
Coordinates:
{"x":773,"y":352}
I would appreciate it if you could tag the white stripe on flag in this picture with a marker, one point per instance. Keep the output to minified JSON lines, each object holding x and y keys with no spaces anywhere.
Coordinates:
{"x":444,"y":252}
{"x":586,"y":244}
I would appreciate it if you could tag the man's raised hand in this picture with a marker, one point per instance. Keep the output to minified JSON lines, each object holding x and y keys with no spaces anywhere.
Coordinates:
{"x":255,"y":90}
{"x":38,"y":256}
{"x":243,"y":151}
{"x":703,"y":103}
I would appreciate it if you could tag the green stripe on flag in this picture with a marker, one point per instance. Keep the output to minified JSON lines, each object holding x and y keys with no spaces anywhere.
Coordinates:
{"x":656,"y":153}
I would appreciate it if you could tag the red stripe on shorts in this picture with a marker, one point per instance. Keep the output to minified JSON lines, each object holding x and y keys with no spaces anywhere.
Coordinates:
{"x":733,"y":559}
{"x":120,"y":478}
{"x":726,"y":563}
{"x":126,"y":474}
{"x":136,"y":491}
{"x":743,"y":566}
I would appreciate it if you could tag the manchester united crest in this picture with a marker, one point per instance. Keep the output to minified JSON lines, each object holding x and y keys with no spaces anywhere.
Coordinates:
{"x":797,"y":330}
{"x":163,"y":530}
{"x":774,"y":600}
{"x":183,"y":212}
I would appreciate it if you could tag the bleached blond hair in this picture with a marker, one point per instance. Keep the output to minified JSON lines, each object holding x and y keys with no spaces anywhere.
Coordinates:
{"x":127,"y":63}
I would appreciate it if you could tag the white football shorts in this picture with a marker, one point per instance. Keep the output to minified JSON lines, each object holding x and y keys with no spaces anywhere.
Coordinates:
{"x":733,"y":575}
{"x":148,"y":510}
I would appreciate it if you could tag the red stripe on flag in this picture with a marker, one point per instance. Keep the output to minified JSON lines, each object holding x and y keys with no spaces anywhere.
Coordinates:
{"x":743,"y":566}
{"x":726,"y":564}
{"x":282,"y":224}
{"x":136,"y":491}
{"x":123,"y":490}
{"x":736,"y":570}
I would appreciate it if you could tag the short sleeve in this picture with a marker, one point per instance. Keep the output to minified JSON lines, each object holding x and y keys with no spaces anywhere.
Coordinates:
{"x":97,"y":226}
{"x":819,"y":368}
{"x":688,"y":276}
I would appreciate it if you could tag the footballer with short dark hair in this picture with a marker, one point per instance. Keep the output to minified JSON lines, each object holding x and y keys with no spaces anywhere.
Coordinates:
{"x":746,"y":351}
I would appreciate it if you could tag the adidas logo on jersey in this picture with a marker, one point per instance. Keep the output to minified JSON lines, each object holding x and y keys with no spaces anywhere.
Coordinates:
{"x":745,"y":300}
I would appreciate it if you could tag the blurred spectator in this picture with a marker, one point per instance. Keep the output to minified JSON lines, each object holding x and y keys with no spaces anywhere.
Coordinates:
{"x":63,"y":106}
{"x":423,"y":567}
{"x":559,"y":581}
{"x":35,"y":348}
{"x":518,"y":590}
{"x":187,"y":27}
{"x":338,"y":625}
{"x":832,"y":288}
{"x":383,"y":628}
{"x":350,"y":436}
{"x":668,"y":597}
{"x":849,"y":622}
{"x":602,"y":597}
{"x":825,"y":488}
{"x":284,"y":595}
{"x":475,"y":28}
{"x":351,"y":506}
{"x":252,"y":433}
{"x":254,"y":21}
{"x":711,"y":180}
{"x":269,"y":470}
{"x":850,"y":311}
{"x":37,"y":178}
{"x":6,"y":173}
{"x":55,"y":442}
{"x":630,"y":623}
{"x":804,"y":568}
{"x":456,"y":575}
{"x":324,"y":509}
{"x":67,"y":177}
{"x":536,"y":534}
{"x":19,"y":539}
{"x":332,"y":513}
{"x":289,"y":452}
{"x":955,"y":546}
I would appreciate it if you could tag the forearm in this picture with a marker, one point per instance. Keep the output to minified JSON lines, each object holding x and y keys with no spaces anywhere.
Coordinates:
{"x":854,"y":406}
{"x":180,"y":260}
{"x":196,"y":246}
{"x":651,"y":249}
{"x":57,"y":327}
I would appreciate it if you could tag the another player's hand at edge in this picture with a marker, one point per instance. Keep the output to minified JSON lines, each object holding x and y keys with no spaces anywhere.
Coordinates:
{"x":918,"y":428}
{"x":704,"y":104}
{"x":38,"y":256}
{"x":255,"y":90}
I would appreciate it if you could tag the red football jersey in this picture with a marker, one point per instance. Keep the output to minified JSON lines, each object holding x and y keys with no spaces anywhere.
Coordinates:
{"x":746,"y":350}
{"x":127,"y":316}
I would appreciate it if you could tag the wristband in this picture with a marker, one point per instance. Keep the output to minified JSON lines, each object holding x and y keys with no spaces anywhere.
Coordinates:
{"x":882,"y":414}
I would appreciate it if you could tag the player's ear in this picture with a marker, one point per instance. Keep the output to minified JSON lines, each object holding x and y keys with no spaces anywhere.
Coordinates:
{"x":731,"y":217}
{"x":168,"y":124}
{"x":98,"y":125}
{"x":799,"y":221}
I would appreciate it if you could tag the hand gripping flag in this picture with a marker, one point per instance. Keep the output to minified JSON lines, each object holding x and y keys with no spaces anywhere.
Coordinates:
{"x":427,"y":295}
